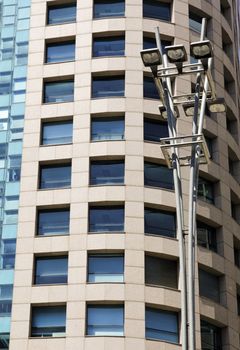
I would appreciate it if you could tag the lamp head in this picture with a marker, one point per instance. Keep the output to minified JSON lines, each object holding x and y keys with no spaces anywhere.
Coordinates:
{"x":151,"y":57}
{"x":217,"y":106}
{"x":163,"y":112}
{"x":201,"y":49}
{"x":176,"y":53}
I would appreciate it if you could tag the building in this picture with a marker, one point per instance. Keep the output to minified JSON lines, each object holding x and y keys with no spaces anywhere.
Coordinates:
{"x":97,"y":255}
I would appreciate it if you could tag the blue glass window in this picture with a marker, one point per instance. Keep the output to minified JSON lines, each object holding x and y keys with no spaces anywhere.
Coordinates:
{"x":106,"y":219}
{"x":6,"y":292}
{"x":108,"y":86}
{"x":149,"y":43}
{"x":206,"y":236}
{"x":60,"y":91}
{"x":213,"y":287}
{"x":158,"y":175}
{"x":107,"y":172}
{"x":103,"y":129}
{"x":161,"y":272}
{"x":149,"y":88}
{"x":161,"y":325}
{"x":61,"y":13}
{"x":107,"y":320}
{"x":210,"y":336}
{"x":48,"y":321}
{"x":155,"y":129}
{"x":53,"y":222}
{"x":205,"y":190}
{"x":108,"y":8}
{"x":109,"y":46}
{"x":105,"y":268}
{"x":160,"y":223}
{"x":7,"y":254}
{"x":14,"y":170}
{"x":54,"y":133}
{"x":195,"y":22}
{"x":157,"y":9}
{"x":55,"y":176}
{"x":4,"y":340}
{"x":51,"y":270}
{"x":60,"y":52}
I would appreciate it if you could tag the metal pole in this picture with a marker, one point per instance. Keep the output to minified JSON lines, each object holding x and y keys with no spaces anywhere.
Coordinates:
{"x":178,"y":195}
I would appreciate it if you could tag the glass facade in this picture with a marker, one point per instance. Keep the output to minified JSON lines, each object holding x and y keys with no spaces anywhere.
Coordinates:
{"x":14,"y":32}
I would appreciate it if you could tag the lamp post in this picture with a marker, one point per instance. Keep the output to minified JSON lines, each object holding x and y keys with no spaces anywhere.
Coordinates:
{"x":194,"y":105}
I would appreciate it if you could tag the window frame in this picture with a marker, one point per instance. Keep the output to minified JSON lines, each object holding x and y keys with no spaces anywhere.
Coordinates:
{"x":52,"y":166}
{"x":104,"y":119}
{"x":51,"y":82}
{"x":161,"y":2}
{"x":215,"y":278}
{"x":211,"y":235}
{"x":108,"y":78}
{"x":95,"y":161}
{"x":170,"y":184}
{"x":217,"y":335}
{"x":106,"y":207}
{"x":106,"y":256}
{"x":104,"y":37}
{"x":164,"y":212}
{"x":104,"y":17}
{"x":150,"y":120}
{"x":38,"y":258}
{"x":62,"y":5}
{"x":66,"y":41}
{"x":51,"y":210}
{"x":53,"y":122}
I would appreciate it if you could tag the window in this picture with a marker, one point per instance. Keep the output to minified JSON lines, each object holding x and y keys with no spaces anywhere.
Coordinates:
{"x":158,"y":175}
{"x":58,"y":14}
{"x":195,"y":22}
{"x":59,"y":91}
{"x":60,"y":52}
{"x":103,"y":129}
{"x":161,"y":272}
{"x":149,"y":88}
{"x":159,"y":223}
{"x":210,"y":336}
{"x":154,"y":130}
{"x":55,"y":176}
{"x":238,"y":299}
{"x":107,"y":320}
{"x":209,"y":286}
{"x":4,"y":340}
{"x":14,"y":170}
{"x":161,"y":325}
{"x":54,"y":133}
{"x":205,"y":190}
{"x":108,"y":86}
{"x":109,"y":46}
{"x":106,"y":8}
{"x":206,"y":236}
{"x":149,"y":43}
{"x":53,"y":222}
{"x":6,"y":292}
{"x":48,"y":321}
{"x":107,"y":172}
{"x":7,"y":253}
{"x":21,"y":53}
{"x":51,"y":270}
{"x":157,"y":9}
{"x":106,"y":219}
{"x":105,"y":268}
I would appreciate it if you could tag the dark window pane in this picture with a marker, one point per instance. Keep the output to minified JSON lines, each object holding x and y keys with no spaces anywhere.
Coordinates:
{"x":106,"y":219}
{"x":108,"y":86}
{"x":149,"y":88}
{"x":7,"y":254}
{"x":107,"y":172}
{"x":54,"y":133}
{"x":48,"y":321}
{"x":161,"y":272}
{"x":209,"y":286}
{"x":205,"y":190}
{"x":60,"y":52}
{"x":110,"y":46}
{"x":53,"y":222}
{"x":60,"y":91}
{"x":195,"y":22}
{"x":210,"y":336}
{"x":108,"y":8}
{"x":107,"y":129}
{"x":55,"y":176}
{"x":105,"y":320}
{"x":206,"y":236}
{"x":158,"y":175}
{"x":149,"y":43}
{"x":51,"y":270}
{"x":6,"y":291}
{"x":161,"y":325}
{"x":160,"y":223}
{"x":61,"y":13}
{"x":105,"y":268}
{"x":4,"y":340}
{"x":157,"y":9}
{"x":154,"y":130}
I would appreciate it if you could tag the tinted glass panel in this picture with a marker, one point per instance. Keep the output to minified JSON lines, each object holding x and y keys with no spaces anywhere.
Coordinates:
{"x":62,"y":13}
{"x":158,"y":175}
{"x":160,"y":272}
{"x":149,"y":88}
{"x":105,"y":268}
{"x":206,"y":190}
{"x":4,"y":340}
{"x":160,"y":223}
{"x":6,"y":291}
{"x":209,"y":286}
{"x":53,"y":222}
{"x":51,"y":270}
{"x":110,"y":46}
{"x":157,"y":9}
{"x":154,"y":130}
{"x":106,"y":8}
{"x":210,"y":336}
{"x":48,"y":321}
{"x":107,"y":86}
{"x":105,"y":320}
{"x":61,"y":91}
{"x":206,"y":236}
{"x":161,"y":325}
{"x":7,"y":254}
{"x":57,"y":132}
{"x":195,"y":22}
{"x":60,"y":52}
{"x":149,"y":43}
{"x":57,"y":176}
{"x":106,"y":219}
{"x":107,"y":129}
{"x":107,"y":172}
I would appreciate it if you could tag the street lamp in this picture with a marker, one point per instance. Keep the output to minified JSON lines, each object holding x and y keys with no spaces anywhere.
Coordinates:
{"x":164,"y":114}
{"x":201,"y":49}
{"x":176,"y":53}
{"x":217,"y":105}
{"x":151,"y":57}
